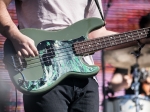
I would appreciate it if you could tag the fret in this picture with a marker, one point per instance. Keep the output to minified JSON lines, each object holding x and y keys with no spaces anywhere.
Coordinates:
{"x":126,"y":37}
{"x":138,"y":34}
{"x":120,"y":38}
{"x":92,"y":49}
{"x":86,"y":45}
{"x":132,"y":36}
{"x":99,"y":44}
{"x":142,"y":33}
{"x":81,"y":47}
{"x":93,"y":45}
{"x":107,"y":41}
{"x":100,"y":40}
{"x":145,"y":32}
{"x":93,"y":42}
{"x":77,"y":50}
{"x":110,"y":40}
{"x":123,"y":38}
{"x":104,"y":42}
{"x":89,"y":44}
{"x":137,"y":37}
{"x":116,"y":39}
{"x":85,"y":50}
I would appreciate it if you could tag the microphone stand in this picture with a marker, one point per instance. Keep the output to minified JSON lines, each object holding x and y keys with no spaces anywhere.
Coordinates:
{"x":102,"y":54}
{"x":103,"y":65}
{"x":136,"y":75}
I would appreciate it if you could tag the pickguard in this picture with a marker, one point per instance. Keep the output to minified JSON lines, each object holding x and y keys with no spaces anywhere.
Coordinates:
{"x":57,"y":59}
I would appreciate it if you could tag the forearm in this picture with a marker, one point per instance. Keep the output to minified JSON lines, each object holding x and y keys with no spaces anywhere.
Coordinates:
{"x":7,"y":26}
{"x":120,"y":82}
{"x":117,"y":87}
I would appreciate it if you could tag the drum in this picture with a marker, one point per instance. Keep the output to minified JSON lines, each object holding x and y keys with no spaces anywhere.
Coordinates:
{"x":127,"y":104}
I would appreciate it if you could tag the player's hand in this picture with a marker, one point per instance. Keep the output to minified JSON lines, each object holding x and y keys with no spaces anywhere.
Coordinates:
{"x":128,"y":81}
{"x":148,"y":79}
{"x":24,"y":46}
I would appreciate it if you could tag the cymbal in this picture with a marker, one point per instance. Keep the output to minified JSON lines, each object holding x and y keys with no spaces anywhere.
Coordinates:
{"x":124,"y":59}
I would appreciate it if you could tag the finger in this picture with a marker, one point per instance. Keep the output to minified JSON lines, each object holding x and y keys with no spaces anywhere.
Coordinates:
{"x":25,"y":53}
{"x":30,"y":52}
{"x":19,"y":54}
{"x":34,"y":50}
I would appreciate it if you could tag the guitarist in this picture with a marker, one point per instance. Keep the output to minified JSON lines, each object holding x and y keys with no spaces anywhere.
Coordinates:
{"x":72,"y":94}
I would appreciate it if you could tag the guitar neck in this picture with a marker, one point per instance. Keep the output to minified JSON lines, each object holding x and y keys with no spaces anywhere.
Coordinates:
{"x":93,"y":45}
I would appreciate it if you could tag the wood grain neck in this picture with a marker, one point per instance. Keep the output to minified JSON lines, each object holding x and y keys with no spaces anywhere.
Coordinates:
{"x":93,"y":45}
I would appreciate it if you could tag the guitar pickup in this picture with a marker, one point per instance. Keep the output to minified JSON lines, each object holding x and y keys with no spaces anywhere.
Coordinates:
{"x":48,"y":55}
{"x":18,"y":63}
{"x":46,"y":60}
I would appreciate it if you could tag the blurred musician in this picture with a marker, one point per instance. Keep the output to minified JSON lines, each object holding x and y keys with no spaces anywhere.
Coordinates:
{"x":122,"y":80}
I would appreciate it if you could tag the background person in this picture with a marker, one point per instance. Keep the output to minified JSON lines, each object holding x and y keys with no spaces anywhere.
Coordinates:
{"x":122,"y":78}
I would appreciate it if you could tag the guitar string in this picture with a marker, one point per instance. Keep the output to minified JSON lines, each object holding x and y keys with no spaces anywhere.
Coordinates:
{"x":130,"y":32}
{"x":72,"y":50}
{"x":49,"y":56}
{"x":40,"y":58}
{"x":104,"y":40}
{"x":83,"y":46}
{"x":42,"y":61}
{"x":30,"y":65}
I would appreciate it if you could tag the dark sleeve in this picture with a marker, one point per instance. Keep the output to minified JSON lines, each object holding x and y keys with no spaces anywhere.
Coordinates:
{"x":121,"y":70}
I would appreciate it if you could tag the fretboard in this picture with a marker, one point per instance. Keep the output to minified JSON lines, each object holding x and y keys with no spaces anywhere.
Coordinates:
{"x":93,"y":45}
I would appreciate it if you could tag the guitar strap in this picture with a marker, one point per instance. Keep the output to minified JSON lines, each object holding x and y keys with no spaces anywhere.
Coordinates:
{"x":99,"y":9}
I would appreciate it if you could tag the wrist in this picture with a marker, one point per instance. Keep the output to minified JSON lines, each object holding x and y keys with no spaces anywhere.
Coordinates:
{"x":13,"y":33}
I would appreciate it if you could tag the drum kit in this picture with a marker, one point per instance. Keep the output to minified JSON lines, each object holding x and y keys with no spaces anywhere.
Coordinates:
{"x":137,"y":58}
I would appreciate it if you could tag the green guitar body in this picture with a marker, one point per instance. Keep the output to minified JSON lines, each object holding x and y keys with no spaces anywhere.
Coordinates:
{"x":56,"y":59}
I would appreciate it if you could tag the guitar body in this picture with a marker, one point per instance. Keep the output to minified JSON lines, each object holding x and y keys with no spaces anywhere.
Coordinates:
{"x":56,"y":60}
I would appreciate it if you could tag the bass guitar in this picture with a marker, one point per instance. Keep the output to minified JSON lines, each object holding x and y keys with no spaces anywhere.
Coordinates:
{"x":60,"y":55}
